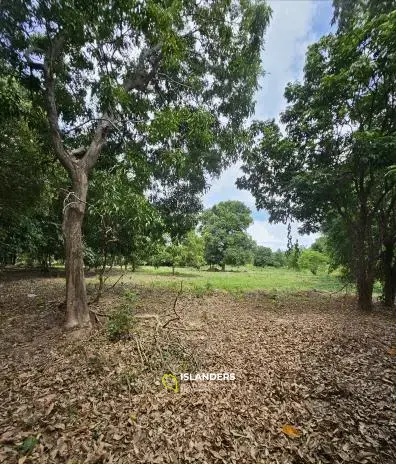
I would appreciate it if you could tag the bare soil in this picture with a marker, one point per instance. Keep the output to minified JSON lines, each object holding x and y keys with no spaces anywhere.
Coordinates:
{"x":309,"y":361}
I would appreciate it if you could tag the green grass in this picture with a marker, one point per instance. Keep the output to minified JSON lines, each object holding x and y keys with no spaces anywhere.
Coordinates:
{"x":234,"y":280}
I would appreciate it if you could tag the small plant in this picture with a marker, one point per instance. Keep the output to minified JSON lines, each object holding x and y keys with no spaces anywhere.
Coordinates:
{"x":199,"y":291}
{"x":120,"y":324}
{"x":131,"y":297}
{"x":28,"y":445}
{"x":209,"y":286}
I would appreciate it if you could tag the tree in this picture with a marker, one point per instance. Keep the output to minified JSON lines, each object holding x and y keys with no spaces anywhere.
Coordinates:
{"x":349,"y":12}
{"x":121,"y":222}
{"x":223,"y":229}
{"x":312,"y":260}
{"x":278,"y":258}
{"x":29,"y":179}
{"x":263,"y":257}
{"x":340,"y":141}
{"x":175,"y":79}
{"x":193,"y":250}
{"x":320,"y":244}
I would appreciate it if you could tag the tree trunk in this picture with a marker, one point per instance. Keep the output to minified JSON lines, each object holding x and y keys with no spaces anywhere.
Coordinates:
{"x":365,"y":292}
{"x":77,"y":312}
{"x":223,"y":267}
{"x":389,"y":269}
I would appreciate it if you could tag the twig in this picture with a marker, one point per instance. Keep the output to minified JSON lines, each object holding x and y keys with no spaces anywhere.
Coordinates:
{"x":185,"y":329}
{"x":116,"y":282}
{"x":177,"y":318}
{"x":139,"y":350}
{"x":340,"y":290}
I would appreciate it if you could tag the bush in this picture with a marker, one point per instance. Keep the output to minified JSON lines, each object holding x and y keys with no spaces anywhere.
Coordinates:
{"x":120,"y":324}
{"x":263,"y":256}
{"x":312,"y":260}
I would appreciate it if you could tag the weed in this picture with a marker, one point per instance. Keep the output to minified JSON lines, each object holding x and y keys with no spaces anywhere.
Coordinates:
{"x":131,"y":297}
{"x":28,"y":445}
{"x":120,"y":323}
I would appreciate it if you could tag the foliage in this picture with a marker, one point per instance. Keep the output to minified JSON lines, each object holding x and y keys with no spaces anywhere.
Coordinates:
{"x":349,"y":12}
{"x":193,"y":250}
{"x":120,"y":323}
{"x":320,"y":244}
{"x":278,"y":258}
{"x":263,"y":257}
{"x":293,"y":256}
{"x":312,"y":260}
{"x":121,"y":222}
{"x":166,"y":86}
{"x":223,"y":229}
{"x":340,"y":141}
{"x":30,"y":227}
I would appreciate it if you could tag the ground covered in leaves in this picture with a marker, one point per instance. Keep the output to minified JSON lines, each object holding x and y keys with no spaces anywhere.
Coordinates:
{"x":314,"y":379}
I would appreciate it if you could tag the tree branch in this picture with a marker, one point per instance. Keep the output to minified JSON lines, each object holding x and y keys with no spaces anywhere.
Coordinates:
{"x":66,"y":159}
{"x":139,"y":80}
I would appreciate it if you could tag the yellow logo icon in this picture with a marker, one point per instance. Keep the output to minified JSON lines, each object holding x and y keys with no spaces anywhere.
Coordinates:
{"x":170,"y":382}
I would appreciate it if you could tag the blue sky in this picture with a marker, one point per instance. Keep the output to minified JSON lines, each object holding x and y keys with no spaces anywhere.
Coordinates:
{"x":294,"y":25}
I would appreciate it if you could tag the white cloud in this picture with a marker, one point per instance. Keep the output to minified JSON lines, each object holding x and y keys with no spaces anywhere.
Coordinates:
{"x":275,"y":235}
{"x":224,"y":189}
{"x":290,"y":32}
{"x":287,"y":38}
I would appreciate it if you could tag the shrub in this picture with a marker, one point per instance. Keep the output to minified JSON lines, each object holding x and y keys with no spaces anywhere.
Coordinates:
{"x":312,"y":260}
{"x":120,"y":323}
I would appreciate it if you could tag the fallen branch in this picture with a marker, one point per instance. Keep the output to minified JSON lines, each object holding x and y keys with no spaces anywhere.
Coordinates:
{"x":185,"y":329}
{"x":116,"y":282}
{"x":139,"y":350}
{"x":340,"y":290}
{"x":177,"y":318}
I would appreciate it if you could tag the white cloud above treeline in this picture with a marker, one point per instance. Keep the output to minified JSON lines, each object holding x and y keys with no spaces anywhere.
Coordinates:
{"x":292,"y":29}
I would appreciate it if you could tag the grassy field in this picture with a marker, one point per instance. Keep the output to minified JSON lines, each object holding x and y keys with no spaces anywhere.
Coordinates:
{"x":233,"y":280}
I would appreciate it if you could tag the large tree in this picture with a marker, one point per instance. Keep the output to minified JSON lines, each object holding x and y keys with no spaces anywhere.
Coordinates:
{"x":174,"y":77}
{"x":340,"y":141}
{"x":224,"y":229}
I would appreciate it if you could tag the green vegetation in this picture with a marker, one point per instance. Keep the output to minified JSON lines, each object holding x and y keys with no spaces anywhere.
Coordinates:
{"x":234,"y":280}
{"x":120,"y":323}
{"x":132,"y":97}
{"x":312,"y":260}
{"x":224,"y":229}
{"x":329,"y":168}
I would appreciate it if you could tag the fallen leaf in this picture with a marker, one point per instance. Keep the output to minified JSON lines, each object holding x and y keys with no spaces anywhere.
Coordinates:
{"x":49,"y":410}
{"x":392,"y":351}
{"x":291,"y":431}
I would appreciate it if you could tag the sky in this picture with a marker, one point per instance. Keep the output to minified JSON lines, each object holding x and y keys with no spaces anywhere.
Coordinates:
{"x":295,"y":24}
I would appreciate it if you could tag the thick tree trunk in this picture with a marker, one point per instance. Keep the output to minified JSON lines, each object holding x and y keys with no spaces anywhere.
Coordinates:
{"x":389,"y":269}
{"x":77,"y":312}
{"x":365,"y":292}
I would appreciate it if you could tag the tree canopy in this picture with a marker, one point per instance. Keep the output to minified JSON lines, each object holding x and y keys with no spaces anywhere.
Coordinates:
{"x":339,"y":143}
{"x":224,"y":228}
{"x":166,"y":86}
